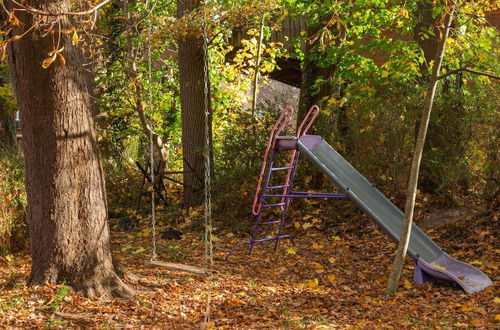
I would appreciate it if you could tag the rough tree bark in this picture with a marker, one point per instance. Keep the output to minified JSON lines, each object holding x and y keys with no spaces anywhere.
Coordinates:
{"x":398,"y":263}
{"x":67,"y":211}
{"x":191,"y":70}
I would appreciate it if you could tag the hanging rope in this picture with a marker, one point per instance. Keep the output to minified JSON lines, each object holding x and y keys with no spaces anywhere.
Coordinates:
{"x":151,"y":137}
{"x":209,"y":250}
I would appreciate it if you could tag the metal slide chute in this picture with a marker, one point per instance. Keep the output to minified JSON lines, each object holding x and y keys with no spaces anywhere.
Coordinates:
{"x":431,"y":262}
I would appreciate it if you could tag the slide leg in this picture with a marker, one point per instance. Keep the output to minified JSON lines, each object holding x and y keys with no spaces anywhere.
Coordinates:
{"x":420,"y":276}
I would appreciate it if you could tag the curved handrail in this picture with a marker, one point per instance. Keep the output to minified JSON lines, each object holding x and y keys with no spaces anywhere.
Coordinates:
{"x":280,"y":124}
{"x":314,"y":109}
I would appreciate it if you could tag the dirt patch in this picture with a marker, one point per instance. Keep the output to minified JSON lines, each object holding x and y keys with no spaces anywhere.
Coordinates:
{"x":450,"y":215}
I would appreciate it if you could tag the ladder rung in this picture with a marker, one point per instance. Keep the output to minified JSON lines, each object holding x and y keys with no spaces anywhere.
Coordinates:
{"x":281,"y":168}
{"x":271,"y":222}
{"x":278,"y":187}
{"x":273,"y":205}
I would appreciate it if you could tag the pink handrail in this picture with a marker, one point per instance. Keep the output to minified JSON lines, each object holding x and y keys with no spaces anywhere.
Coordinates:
{"x":314,"y":109}
{"x":282,"y":121}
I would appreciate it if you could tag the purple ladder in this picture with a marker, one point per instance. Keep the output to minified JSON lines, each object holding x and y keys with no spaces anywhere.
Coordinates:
{"x":280,"y":143}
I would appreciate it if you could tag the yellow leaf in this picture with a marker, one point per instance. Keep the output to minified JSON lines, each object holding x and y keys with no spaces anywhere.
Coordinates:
{"x":235,"y":302}
{"x":332,"y":260}
{"x":291,"y":250}
{"x":296,"y":225}
{"x":496,"y":300}
{"x":74,"y":38}
{"x":476,"y":262}
{"x":336,"y":238}
{"x":49,"y":60}
{"x":139,"y":250}
{"x":215,"y":238}
{"x":439,"y":266}
{"x":207,"y":325}
{"x":407,"y":284}
{"x":331,"y":278}
{"x":8,"y":257}
{"x":316,"y":246}
{"x":317,"y":265}
{"x":497,"y":317}
{"x":404,"y":13}
{"x":307,"y":225}
{"x":313,"y":284}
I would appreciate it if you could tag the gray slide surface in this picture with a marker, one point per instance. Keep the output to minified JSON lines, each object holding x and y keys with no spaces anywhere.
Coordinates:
{"x":429,"y":256}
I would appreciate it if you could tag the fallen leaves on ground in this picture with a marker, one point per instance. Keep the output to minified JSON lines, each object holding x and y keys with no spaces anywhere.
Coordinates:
{"x":324,"y":281}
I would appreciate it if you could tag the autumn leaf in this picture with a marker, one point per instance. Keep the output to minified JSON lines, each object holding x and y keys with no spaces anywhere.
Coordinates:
{"x":291,"y":250}
{"x":439,"y":266}
{"x":307,"y":225}
{"x":316,"y":246}
{"x":496,"y":300}
{"x":74,"y":38}
{"x":336,"y":238}
{"x":313,"y":284}
{"x":407,"y":284}
{"x":403,"y":12}
{"x":331,"y":278}
{"x":62,"y":60}
{"x":477,"y":323}
{"x":49,"y":60}
{"x":236,"y":302}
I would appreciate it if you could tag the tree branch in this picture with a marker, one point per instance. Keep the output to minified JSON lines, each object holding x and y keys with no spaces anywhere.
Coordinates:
{"x":449,"y":73}
{"x":68,"y":13}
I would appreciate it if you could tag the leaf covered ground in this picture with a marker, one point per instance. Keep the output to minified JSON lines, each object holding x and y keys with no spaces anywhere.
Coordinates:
{"x":333,"y":277}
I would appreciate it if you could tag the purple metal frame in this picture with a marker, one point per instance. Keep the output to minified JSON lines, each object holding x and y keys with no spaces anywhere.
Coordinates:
{"x":285,"y":202}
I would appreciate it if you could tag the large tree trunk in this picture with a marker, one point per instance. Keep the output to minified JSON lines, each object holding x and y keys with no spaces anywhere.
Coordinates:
{"x":192,"y":77}
{"x":67,"y":211}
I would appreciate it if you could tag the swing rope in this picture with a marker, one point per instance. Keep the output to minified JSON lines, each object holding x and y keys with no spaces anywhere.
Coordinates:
{"x":209,"y":249}
{"x":208,"y":243}
{"x":151,"y":142}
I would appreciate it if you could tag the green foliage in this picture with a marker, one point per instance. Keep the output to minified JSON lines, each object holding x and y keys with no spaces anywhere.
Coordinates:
{"x":12,"y":200}
{"x":7,"y":99}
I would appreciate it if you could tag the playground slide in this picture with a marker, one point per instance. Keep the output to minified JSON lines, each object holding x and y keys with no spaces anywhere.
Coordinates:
{"x":430,"y":260}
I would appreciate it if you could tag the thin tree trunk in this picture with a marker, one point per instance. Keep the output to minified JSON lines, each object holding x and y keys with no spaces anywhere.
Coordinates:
{"x":257,"y":68}
{"x":67,"y":210}
{"x":192,"y":76}
{"x":398,"y":263}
